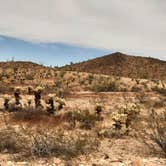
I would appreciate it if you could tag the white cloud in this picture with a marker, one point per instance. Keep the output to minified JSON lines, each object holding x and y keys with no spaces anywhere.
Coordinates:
{"x":131,"y":26}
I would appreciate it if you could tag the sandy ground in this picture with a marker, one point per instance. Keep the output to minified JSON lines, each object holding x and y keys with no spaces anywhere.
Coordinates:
{"x":125,"y":151}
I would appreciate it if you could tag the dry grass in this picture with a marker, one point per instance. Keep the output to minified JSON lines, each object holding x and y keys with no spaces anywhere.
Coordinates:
{"x":157,"y":129}
{"x":34,"y":117}
{"x":46,"y":142}
{"x":82,"y":118}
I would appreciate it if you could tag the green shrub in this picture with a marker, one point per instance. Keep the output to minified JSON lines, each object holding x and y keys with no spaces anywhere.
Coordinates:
{"x":85,"y":119}
{"x":104,"y":85}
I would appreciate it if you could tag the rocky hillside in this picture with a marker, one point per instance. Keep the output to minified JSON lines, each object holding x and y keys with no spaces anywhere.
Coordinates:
{"x":119,"y":64}
{"x":14,"y":71}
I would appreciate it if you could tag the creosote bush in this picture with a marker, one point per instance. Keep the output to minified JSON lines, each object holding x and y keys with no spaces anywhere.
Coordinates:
{"x":83,"y":118}
{"x":103,"y":84}
{"x":46,"y":142}
{"x":157,"y":130}
{"x":58,"y":143}
{"x":61,"y":87}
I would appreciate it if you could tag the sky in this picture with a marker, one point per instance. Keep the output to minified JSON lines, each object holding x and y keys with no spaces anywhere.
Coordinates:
{"x":56,"y":32}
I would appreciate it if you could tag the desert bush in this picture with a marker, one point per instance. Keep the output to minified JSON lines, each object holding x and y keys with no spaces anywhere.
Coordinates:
{"x":58,"y":82}
{"x":141,"y":97}
{"x":43,"y":142}
{"x":5,"y":89}
{"x":62,"y":73}
{"x":103,"y":85}
{"x":27,"y":115}
{"x":30,"y":77}
{"x":57,"y":143}
{"x":63,"y":92}
{"x":61,"y":88}
{"x":136,"y":89}
{"x":161,"y":91}
{"x":90,"y":78}
{"x":85,"y":119}
{"x":156,"y":130}
{"x":11,"y":141}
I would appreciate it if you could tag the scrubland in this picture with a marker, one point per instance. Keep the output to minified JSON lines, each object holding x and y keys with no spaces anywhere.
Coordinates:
{"x":75,"y":118}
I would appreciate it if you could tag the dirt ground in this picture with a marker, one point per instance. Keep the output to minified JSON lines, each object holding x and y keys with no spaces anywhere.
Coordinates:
{"x":124,"y":151}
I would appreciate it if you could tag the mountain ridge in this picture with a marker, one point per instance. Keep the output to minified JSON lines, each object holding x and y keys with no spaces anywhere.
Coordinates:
{"x":124,"y":65}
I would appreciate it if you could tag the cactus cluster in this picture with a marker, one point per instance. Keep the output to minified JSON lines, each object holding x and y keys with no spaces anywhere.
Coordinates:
{"x":37,"y":94}
{"x":123,"y":118}
{"x":34,"y":102}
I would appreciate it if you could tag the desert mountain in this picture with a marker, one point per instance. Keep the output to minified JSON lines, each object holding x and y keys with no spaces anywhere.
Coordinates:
{"x":119,"y":64}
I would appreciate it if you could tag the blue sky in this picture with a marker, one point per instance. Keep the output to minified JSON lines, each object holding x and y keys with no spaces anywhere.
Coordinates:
{"x":45,"y":53}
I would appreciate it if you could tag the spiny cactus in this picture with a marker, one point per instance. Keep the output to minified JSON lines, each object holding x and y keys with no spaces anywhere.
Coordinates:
{"x":6,"y":102}
{"x":119,"y":120}
{"x":30,"y":90}
{"x":50,"y":102}
{"x":132,"y":111}
{"x":60,"y":102}
{"x":37,"y":94}
{"x":29,"y":101}
{"x":123,"y":118}
{"x":98,"y":108}
{"x":17,"y":96}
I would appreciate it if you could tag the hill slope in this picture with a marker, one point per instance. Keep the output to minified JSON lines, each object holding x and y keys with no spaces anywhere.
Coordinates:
{"x":119,"y":64}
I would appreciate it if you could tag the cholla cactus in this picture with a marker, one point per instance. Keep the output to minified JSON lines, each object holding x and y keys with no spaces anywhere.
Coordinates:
{"x":60,"y":102}
{"x":29,"y":101}
{"x":50,"y":102}
{"x":30,"y":90}
{"x":6,"y":102}
{"x":17,"y":96}
{"x":119,"y":120}
{"x":119,"y":117}
{"x":98,"y":108}
{"x":37,"y":93}
{"x":124,"y":116}
{"x":132,"y":111}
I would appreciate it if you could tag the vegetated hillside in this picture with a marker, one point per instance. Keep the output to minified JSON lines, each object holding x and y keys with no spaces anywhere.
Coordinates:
{"x":19,"y":71}
{"x":19,"y":64}
{"x":119,"y":64}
